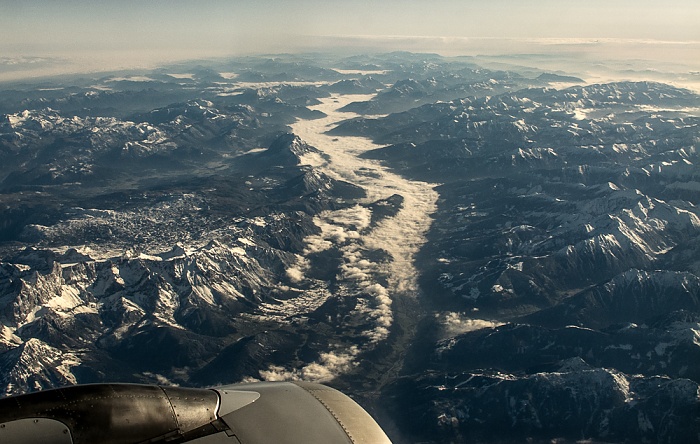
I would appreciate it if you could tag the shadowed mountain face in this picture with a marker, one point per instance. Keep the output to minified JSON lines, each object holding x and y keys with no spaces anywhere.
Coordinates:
{"x":567,"y":216}
{"x":538,"y":201}
{"x":510,"y":261}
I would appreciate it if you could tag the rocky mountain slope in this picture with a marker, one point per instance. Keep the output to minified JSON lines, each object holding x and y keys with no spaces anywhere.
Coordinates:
{"x":563,"y":236}
{"x":528,"y":272}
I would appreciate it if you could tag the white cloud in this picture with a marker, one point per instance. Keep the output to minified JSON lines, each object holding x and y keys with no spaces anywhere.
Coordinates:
{"x":278,"y":373}
{"x":295,"y":274}
{"x":400,"y":236}
{"x":329,"y":366}
{"x":358,"y":217}
{"x":457,"y":323}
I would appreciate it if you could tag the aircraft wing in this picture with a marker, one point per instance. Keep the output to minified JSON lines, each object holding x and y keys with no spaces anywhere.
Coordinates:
{"x":258,"y":413}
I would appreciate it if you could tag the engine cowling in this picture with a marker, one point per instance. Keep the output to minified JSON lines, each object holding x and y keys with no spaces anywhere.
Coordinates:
{"x":258,"y":413}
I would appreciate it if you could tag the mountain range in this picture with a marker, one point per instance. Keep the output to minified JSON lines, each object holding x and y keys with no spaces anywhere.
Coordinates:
{"x":473,"y":254}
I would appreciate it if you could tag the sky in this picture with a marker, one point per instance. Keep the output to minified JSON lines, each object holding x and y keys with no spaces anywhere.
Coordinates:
{"x":129,"y":32}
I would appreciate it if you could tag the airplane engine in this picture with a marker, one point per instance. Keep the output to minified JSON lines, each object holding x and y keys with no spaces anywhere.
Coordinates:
{"x":257,"y":413}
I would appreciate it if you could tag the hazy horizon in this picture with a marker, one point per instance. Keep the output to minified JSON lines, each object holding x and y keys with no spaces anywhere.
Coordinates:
{"x":41,"y":37}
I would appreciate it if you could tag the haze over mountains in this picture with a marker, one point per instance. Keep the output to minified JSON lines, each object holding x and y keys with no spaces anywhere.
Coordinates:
{"x":473,"y":253}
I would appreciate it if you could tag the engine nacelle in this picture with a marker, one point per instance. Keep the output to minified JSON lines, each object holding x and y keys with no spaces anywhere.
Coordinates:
{"x":258,"y":413}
